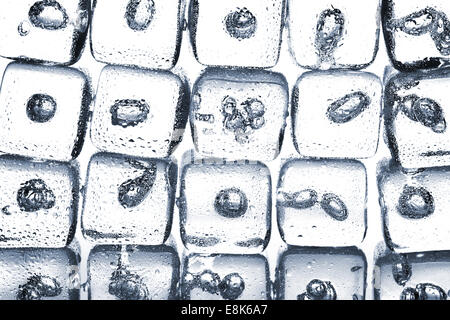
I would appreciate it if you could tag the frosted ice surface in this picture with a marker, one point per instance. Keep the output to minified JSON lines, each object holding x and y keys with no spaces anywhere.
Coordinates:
{"x":326,"y":34}
{"x":225,"y":277}
{"x":44,"y":111}
{"x":133,"y":273}
{"x":416,"y":111}
{"x":322,"y":202}
{"x":412,"y":276}
{"x":39,"y":274}
{"x":336,"y":114}
{"x":417,"y":32}
{"x":240,"y":33}
{"x":144,"y":33}
{"x":239,"y":114}
{"x":50,"y":31}
{"x":39,"y":203}
{"x":322,"y":274}
{"x":139,"y":112}
{"x":128,"y":200}
{"x":415,"y":208}
{"x":225,"y":208}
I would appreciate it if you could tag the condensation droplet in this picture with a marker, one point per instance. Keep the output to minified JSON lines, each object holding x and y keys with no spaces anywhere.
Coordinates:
{"x":24,"y":28}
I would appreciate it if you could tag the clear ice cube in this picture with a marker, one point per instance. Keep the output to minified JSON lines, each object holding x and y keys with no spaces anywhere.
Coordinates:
{"x":133,"y":273}
{"x":139,"y":112}
{"x":322,"y":274}
{"x":44,"y":111}
{"x":239,"y":114}
{"x":322,"y":202}
{"x":333,"y":34}
{"x":336,"y":114}
{"x":240,"y":33}
{"x":39,"y":203}
{"x":128,"y":200}
{"x":144,"y":33}
{"x":412,"y":276}
{"x":39,"y":274}
{"x":225,"y":208}
{"x":30,"y":26}
{"x":225,"y":277}
{"x":416,"y":108}
{"x":417,"y":33}
{"x":415,"y":208}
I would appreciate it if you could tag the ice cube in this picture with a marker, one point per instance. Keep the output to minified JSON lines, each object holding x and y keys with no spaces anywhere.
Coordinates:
{"x":139,"y":112}
{"x":225,"y":208}
{"x":240,"y":33}
{"x":39,"y":274}
{"x":225,"y":277}
{"x":417,"y":33}
{"x":133,"y":273}
{"x":336,"y":114}
{"x":412,"y":276}
{"x":44,"y":111}
{"x":39,"y":203}
{"x":46,"y":31}
{"x":145,"y":33}
{"x":322,"y":274}
{"x":415,"y":208}
{"x":128,"y":200}
{"x":333,"y":34}
{"x":239,"y":114}
{"x":416,"y":111}
{"x":322,"y":202}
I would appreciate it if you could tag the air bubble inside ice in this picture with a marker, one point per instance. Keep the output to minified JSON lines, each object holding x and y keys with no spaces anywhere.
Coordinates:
{"x":415,"y":203}
{"x":129,"y":112}
{"x":429,"y":113}
{"x":134,"y":191}
{"x":232,"y":286}
{"x":139,"y":14}
{"x":208,"y":281}
{"x":24,"y":28}
{"x":41,"y":108}
{"x":34,"y":195}
{"x":38,"y":287}
{"x":401,"y":270}
{"x":231,"y":203}
{"x":127,"y":286}
{"x":348,"y":107}
{"x":241,"y":24}
{"x":299,"y":200}
{"x":318,"y":290}
{"x":424,"y":291}
{"x":329,"y":31}
{"x":334,"y":207}
{"x":48,"y":15}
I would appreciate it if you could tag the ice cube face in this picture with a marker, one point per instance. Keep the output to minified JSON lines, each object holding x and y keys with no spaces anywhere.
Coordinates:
{"x":128,"y":200}
{"x":337,"y":114}
{"x":128,"y":32}
{"x":416,"y":107}
{"x":314,"y":212}
{"x":239,"y":114}
{"x":29,"y":26}
{"x":139,"y":112}
{"x":225,"y":277}
{"x":415,"y":208}
{"x":412,"y":276}
{"x":421,"y":25}
{"x":240,"y":33}
{"x":39,"y":274}
{"x":51,"y":103}
{"x":322,"y":274}
{"x":225,"y":208}
{"x":334,"y":33}
{"x":39,"y":203}
{"x":133,"y":273}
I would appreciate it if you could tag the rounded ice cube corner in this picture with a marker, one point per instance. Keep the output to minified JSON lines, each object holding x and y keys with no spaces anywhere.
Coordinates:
{"x":29,"y":27}
{"x":244,"y":33}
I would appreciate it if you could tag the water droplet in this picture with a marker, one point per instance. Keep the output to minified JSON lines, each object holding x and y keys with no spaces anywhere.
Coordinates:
{"x":401,"y":270}
{"x":24,"y":28}
{"x":415,"y":203}
{"x":429,"y":113}
{"x":134,"y":191}
{"x":41,"y":108}
{"x":232,"y":286}
{"x":34,"y":195}
{"x":39,"y":286}
{"x":334,"y":206}
{"x":329,"y":31}
{"x":208,"y":281}
{"x":139,"y":14}
{"x":127,"y":286}
{"x":241,"y":24}
{"x":299,"y":200}
{"x":424,"y":291}
{"x":48,"y":15}
{"x":231,"y":203}
{"x":348,"y":107}
{"x":129,"y":112}
{"x":409,"y":294}
{"x":318,"y":290}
